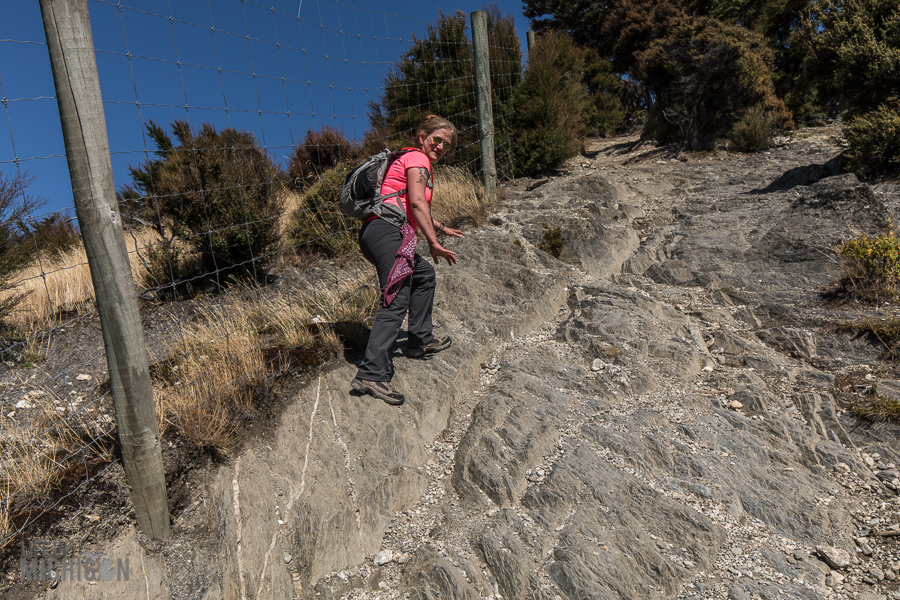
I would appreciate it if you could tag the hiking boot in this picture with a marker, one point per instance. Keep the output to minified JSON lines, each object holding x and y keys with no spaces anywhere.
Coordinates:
{"x":379,"y":389}
{"x":435,"y":345}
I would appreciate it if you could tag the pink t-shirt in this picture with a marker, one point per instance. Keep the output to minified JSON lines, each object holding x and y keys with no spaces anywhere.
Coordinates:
{"x":395,"y":179}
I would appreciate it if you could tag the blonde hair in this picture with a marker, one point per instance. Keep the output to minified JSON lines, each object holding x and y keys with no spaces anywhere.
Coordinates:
{"x":431,"y":124}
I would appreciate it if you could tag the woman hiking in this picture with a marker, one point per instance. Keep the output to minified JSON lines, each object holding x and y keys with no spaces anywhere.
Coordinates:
{"x":407,"y":280}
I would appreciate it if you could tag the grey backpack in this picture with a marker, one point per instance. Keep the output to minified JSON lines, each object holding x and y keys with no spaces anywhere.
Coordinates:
{"x":361,"y":194}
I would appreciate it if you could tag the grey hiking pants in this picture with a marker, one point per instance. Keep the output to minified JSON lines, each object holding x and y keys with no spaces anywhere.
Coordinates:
{"x":379,"y":242}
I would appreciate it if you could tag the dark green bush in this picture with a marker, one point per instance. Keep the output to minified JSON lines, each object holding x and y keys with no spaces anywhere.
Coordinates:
{"x":752,"y":132}
{"x":318,"y":226}
{"x":318,"y":152}
{"x":704,"y":74}
{"x":605,"y":89}
{"x":875,"y":142}
{"x":855,"y":51}
{"x":214,"y":196}
{"x":436,"y":75}
{"x":552,"y":106}
{"x":552,"y":242}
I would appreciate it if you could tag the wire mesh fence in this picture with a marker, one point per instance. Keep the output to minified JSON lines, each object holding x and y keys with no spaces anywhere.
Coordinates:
{"x":231,"y":129}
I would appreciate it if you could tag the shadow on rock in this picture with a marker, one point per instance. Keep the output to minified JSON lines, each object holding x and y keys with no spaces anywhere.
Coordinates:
{"x":805,"y":175}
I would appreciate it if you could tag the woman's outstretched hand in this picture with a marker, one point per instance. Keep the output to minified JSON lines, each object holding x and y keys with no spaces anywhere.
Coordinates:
{"x":438,"y":251}
{"x":452,"y":232}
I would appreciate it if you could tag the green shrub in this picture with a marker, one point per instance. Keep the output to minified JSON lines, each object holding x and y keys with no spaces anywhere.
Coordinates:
{"x":318,"y":226}
{"x":752,"y":132}
{"x":552,"y":242}
{"x":215,"y":195}
{"x":872,"y":267}
{"x":605,"y":88}
{"x":318,"y":152}
{"x":436,"y":75}
{"x":874,"y":142}
{"x":552,"y":106}
{"x":855,"y":51}
{"x":704,"y":74}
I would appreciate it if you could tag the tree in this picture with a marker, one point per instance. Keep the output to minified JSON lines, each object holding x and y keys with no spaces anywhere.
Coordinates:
{"x":437,"y":76}
{"x":212,"y":193}
{"x":855,"y":48}
{"x":583,"y":20}
{"x":704,"y":75}
{"x":605,"y":89}
{"x":552,"y":105}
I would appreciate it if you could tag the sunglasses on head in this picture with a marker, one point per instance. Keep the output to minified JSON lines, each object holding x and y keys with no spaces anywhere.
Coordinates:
{"x":439,"y":141}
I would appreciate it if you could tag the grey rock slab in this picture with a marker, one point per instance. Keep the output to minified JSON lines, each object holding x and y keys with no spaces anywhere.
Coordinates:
{"x":837,"y":558}
{"x":789,"y":340}
{"x":755,"y":400}
{"x":889,"y":388}
{"x":429,"y":576}
{"x":142,"y":575}
{"x":604,"y":518}
{"x":750,"y":589}
{"x":506,"y":556}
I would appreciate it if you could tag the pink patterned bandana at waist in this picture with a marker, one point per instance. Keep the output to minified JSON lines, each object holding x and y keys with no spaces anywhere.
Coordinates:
{"x":403,"y":264}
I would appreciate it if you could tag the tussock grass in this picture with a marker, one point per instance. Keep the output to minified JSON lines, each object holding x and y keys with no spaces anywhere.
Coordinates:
{"x":208,"y":383}
{"x":225,"y":356}
{"x":6,"y":528}
{"x":61,"y":284}
{"x":459,"y":198}
{"x":876,"y":407}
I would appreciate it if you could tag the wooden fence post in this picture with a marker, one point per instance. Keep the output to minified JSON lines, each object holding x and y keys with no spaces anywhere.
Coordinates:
{"x":68,"y":30}
{"x":483,"y":97}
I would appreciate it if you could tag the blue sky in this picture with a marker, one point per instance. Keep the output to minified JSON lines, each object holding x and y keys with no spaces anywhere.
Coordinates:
{"x":157,"y":57}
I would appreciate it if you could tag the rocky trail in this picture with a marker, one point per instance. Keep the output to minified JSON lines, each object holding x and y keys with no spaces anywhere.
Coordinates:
{"x":657,"y":411}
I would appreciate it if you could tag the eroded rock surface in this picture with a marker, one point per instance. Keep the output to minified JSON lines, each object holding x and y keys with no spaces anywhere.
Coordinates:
{"x":647,"y":409}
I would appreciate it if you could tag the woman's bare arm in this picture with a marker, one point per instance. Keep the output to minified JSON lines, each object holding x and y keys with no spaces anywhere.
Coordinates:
{"x":416,"y":180}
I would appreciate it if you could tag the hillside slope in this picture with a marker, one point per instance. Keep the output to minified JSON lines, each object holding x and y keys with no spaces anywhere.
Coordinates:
{"x":645,"y":399}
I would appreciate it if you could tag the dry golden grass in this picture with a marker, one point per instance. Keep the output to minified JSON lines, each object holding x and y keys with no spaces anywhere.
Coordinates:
{"x":60,"y":284}
{"x":458,"y":197}
{"x":6,"y":529}
{"x":210,"y":377}
{"x":226,"y":354}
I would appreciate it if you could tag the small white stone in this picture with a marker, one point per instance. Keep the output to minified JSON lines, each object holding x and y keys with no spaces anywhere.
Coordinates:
{"x":383,"y":558}
{"x":83,"y":377}
{"x":287,"y":559}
